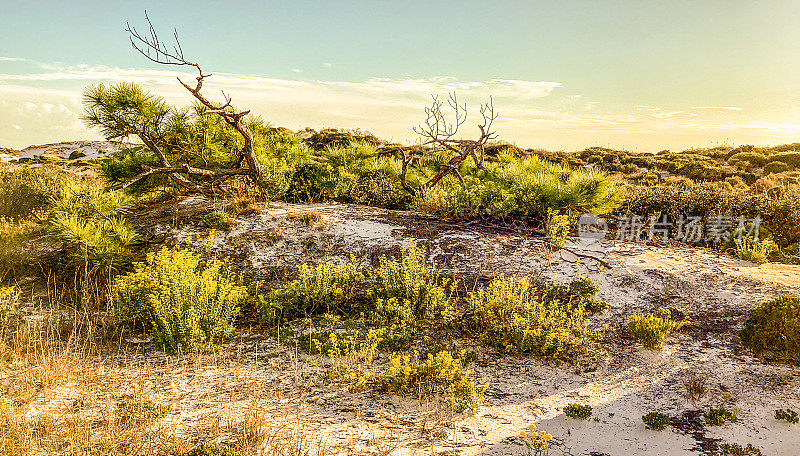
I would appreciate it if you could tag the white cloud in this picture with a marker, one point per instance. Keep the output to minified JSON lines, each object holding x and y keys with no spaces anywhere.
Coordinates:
{"x":296,"y":70}
{"x":327,"y":65}
{"x":723,"y":108}
{"x":12,"y":59}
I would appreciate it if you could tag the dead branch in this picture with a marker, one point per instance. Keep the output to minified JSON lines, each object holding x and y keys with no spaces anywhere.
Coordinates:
{"x":155,"y":50}
{"x":439,"y":136}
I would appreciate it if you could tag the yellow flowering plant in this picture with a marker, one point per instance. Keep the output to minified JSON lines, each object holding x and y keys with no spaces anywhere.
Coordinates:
{"x":537,"y":442}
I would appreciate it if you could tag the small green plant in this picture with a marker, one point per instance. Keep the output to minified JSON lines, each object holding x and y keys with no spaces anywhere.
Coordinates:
{"x":773,"y":330}
{"x":212,"y":449}
{"x":734,"y":449}
{"x":440,"y":375}
{"x":651,"y":329}
{"x":142,"y":410}
{"x":509,"y":316}
{"x":788,"y":415}
{"x":695,"y":387}
{"x":656,"y":421}
{"x":579,"y":291}
{"x":182,"y":300}
{"x":557,"y":229}
{"x":218,"y":220}
{"x":721,"y":415}
{"x":325,"y":288}
{"x":577,"y":411}
{"x":9,"y":297}
{"x":758,"y":252}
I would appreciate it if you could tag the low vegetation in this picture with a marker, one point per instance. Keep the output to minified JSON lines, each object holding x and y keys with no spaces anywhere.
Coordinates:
{"x":772,"y":330}
{"x":578,"y":411}
{"x":656,"y":421}
{"x":651,"y":329}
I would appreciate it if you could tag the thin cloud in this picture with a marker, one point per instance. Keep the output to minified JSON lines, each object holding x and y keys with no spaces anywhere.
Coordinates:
{"x":724,"y":108}
{"x":12,"y":59}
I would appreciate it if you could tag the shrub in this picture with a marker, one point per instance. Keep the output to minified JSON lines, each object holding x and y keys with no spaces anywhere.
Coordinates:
{"x":522,"y":187}
{"x":773,"y":330}
{"x":651,"y":329}
{"x":184,"y":302}
{"x":538,"y":442}
{"x":325,"y":288}
{"x":557,"y":229}
{"x":9,"y":297}
{"x":26,"y":191}
{"x":408,"y":293}
{"x":141,"y":410}
{"x":719,"y":416}
{"x":788,"y":415}
{"x":775,"y":167}
{"x":127,"y":163}
{"x":758,"y":252}
{"x":580,"y":291}
{"x":510,"y":317}
{"x":656,"y":421}
{"x":351,"y":356}
{"x":734,"y":449}
{"x":89,"y":222}
{"x":211,"y":449}
{"x":440,"y":375}
{"x":218,"y":220}
{"x":577,"y":411}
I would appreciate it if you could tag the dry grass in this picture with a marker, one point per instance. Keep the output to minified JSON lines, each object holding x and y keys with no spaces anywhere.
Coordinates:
{"x":311,"y":217}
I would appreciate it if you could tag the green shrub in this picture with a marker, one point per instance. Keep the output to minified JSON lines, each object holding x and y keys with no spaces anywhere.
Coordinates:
{"x":325,"y":288}
{"x":127,"y":163}
{"x":89,"y":222}
{"x":218,"y":220}
{"x":184,"y":302}
{"x":25,"y":192}
{"x":580,"y":291}
{"x":212,"y":449}
{"x":440,"y":375}
{"x":521,"y":187}
{"x":775,"y":167}
{"x":141,"y":410}
{"x":409,"y":293}
{"x":773,"y":330}
{"x":651,"y":329}
{"x":556,"y":229}
{"x":509,"y":316}
{"x":351,"y":355}
{"x":719,"y":416}
{"x":734,"y":449}
{"x":577,"y":411}
{"x":9,"y":300}
{"x":758,"y":252}
{"x":788,"y":415}
{"x":656,"y":421}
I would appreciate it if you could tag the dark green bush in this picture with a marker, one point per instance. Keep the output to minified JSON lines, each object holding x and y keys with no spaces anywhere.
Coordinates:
{"x":580,"y":291}
{"x":776,"y":167}
{"x":773,"y":330}
{"x":577,"y":411}
{"x":788,"y":415}
{"x":734,"y":449}
{"x":656,"y":421}
{"x":719,"y":416}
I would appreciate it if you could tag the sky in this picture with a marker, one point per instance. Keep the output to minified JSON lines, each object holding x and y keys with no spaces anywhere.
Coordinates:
{"x":640,"y":75}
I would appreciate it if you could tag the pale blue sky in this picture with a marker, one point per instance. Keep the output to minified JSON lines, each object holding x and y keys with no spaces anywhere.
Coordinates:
{"x":639,"y":74}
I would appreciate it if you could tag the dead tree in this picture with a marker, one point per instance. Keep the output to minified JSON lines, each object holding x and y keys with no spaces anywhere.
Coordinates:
{"x":155,"y":50}
{"x":439,"y":143}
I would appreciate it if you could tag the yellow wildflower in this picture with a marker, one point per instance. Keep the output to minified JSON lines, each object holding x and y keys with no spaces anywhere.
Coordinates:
{"x":523,"y":434}
{"x":547,"y":437}
{"x":532,"y":427}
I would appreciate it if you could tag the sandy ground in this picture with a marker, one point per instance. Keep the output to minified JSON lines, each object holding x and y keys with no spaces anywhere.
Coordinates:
{"x":714,"y":291}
